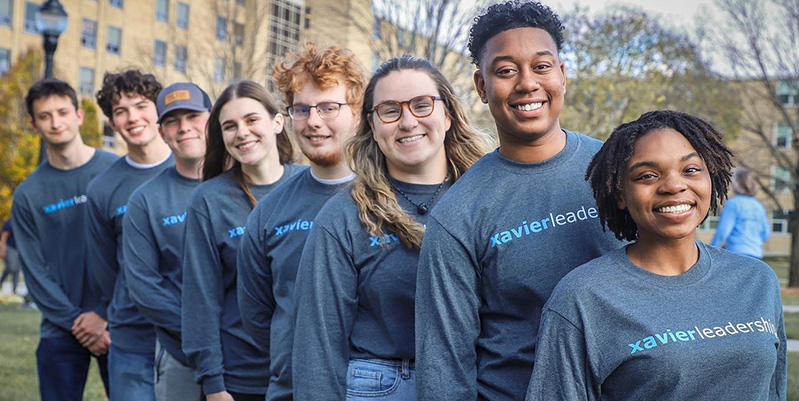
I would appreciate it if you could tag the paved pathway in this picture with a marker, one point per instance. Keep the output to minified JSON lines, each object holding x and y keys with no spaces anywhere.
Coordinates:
{"x":793,"y":345}
{"x":790,"y":308}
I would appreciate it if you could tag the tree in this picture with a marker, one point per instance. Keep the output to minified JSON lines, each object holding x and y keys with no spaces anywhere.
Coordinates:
{"x":19,"y":145}
{"x":91,"y":131}
{"x":623,"y":63}
{"x":758,"y":41}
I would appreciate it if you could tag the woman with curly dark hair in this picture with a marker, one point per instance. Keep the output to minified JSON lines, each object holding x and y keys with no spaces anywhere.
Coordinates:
{"x":666,"y":317}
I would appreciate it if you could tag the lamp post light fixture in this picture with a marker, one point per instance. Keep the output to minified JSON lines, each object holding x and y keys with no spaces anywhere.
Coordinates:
{"x":51,"y":21}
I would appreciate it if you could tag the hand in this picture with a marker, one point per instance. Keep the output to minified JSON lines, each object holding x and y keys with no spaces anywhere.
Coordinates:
{"x":220,"y":396}
{"x":88,"y":327}
{"x":100,"y":346}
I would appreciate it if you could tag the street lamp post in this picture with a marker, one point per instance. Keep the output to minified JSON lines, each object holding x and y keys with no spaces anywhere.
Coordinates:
{"x":51,"y":21}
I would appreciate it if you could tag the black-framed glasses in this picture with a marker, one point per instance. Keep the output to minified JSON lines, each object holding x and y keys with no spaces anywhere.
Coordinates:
{"x":326,"y":110}
{"x":420,"y":107}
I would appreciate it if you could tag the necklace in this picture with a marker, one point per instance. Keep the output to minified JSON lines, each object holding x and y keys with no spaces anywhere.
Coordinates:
{"x":422,"y":208}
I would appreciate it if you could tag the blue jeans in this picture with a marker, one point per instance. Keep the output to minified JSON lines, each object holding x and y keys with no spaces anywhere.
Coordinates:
{"x":63,"y":365}
{"x":131,"y":374}
{"x":381,"y":379}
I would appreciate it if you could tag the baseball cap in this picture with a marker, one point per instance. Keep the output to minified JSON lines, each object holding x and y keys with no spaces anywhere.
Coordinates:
{"x":182,"y":96}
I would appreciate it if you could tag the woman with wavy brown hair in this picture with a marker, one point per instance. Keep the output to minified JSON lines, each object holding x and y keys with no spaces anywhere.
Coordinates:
{"x":247,"y":155}
{"x":354,"y":334}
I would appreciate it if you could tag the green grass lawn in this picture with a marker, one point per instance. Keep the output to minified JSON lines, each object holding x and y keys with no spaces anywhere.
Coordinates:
{"x":19,"y":336}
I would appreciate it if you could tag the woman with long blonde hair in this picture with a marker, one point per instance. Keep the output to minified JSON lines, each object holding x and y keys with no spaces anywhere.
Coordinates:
{"x":354,"y":334}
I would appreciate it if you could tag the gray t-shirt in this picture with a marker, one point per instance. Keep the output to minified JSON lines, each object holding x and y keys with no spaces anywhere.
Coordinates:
{"x":496,"y":246}
{"x":614,"y":331}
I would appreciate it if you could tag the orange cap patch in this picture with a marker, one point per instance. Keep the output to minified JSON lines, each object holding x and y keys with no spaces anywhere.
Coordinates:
{"x":177,"y":95}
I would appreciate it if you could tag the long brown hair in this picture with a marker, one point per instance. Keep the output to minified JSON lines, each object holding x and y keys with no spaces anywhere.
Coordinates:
{"x":217,"y":159}
{"x":377,"y":203}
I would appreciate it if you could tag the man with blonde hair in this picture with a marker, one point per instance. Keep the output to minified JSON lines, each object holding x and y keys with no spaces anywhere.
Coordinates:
{"x":323,"y":89}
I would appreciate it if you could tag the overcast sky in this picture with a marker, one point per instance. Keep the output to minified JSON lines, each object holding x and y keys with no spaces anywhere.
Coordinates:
{"x":675,"y":13}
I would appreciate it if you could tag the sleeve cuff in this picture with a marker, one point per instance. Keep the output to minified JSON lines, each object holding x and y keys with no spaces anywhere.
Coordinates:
{"x":213,"y":384}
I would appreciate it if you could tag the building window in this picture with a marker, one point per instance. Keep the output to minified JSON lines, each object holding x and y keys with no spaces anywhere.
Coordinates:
{"x":284,"y":21}
{"x":236,"y":70}
{"x":116,"y":3}
{"x":219,"y":70}
{"x":6,"y":11}
{"x":221,"y":28}
{"x":114,"y":44}
{"x":180,"y":58}
{"x":238,"y":33}
{"x":710,"y":224}
{"x":376,"y":29}
{"x":162,"y":10}
{"x":159,"y":54}
{"x":241,"y":2}
{"x":307,"y":17}
{"x":783,"y":137}
{"x":88,"y":34}
{"x":788,"y":93}
{"x":183,"y":16}
{"x":30,"y":17}
{"x":779,"y":221}
{"x":86,"y":81}
{"x":5,"y":61}
{"x":781,"y":179}
{"x":109,"y":136}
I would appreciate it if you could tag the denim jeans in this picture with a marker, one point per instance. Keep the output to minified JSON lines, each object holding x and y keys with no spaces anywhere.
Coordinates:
{"x":174,"y":380}
{"x":131,"y":375}
{"x":381,"y":379}
{"x":63,"y":365}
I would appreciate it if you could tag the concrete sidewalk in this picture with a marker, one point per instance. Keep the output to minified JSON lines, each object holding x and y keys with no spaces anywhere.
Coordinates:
{"x":790,"y":308}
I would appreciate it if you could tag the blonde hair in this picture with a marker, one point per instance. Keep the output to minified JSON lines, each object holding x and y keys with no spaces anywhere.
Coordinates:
{"x":377,"y":204}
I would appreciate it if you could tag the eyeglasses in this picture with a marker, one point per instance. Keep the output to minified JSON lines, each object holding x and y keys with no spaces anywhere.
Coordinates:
{"x":391,"y":111}
{"x":326,"y":110}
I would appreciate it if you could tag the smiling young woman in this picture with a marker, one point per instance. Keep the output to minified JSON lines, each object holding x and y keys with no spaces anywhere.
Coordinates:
{"x":678,"y":318}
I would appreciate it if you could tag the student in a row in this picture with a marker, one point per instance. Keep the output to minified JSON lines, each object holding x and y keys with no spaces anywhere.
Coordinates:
{"x":128,"y":101}
{"x":667,"y":317}
{"x":323,"y":89}
{"x":152,"y":236}
{"x":517,"y":222}
{"x":49,"y":219}
{"x":354,"y":334}
{"x":248,"y":154}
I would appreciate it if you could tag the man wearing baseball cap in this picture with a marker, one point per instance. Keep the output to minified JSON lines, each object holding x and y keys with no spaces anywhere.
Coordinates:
{"x":153,"y":235}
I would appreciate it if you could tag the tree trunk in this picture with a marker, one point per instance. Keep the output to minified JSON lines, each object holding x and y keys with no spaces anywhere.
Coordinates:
{"x":793,"y":223}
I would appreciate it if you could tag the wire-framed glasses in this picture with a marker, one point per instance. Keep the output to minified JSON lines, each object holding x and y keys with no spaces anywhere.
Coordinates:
{"x":326,"y":110}
{"x":420,"y":106}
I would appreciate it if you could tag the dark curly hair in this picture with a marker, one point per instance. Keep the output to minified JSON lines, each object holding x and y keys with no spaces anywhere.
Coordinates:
{"x":512,"y":14}
{"x":127,"y":82}
{"x":608,"y":167}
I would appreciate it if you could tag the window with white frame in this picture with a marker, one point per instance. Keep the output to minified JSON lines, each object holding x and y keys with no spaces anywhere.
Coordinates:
{"x":788,"y":92}
{"x":114,"y":42}
{"x":221,"y":28}
{"x":779,"y":221}
{"x":183,"y":16}
{"x":219,"y":69}
{"x":783,"y":137}
{"x":162,"y":10}
{"x":30,"y":17}
{"x":159,"y":53}
{"x":88,"y":34}
{"x":6,"y":12}
{"x":180,"y":58}
{"x":284,"y":21}
{"x":86,"y":81}
{"x":781,"y":179}
{"x":710,"y":224}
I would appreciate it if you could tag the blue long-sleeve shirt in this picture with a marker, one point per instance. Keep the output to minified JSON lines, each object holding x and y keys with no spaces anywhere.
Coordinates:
{"x":614,"y":331}
{"x":269,"y":256}
{"x":743,"y":227}
{"x":108,"y":199}
{"x":152,"y":239}
{"x":49,"y":217}
{"x":354,"y":296}
{"x":495,"y":247}
{"x":223,"y":355}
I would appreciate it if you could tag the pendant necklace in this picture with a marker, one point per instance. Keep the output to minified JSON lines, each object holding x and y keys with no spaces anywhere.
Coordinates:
{"x":422,"y":208}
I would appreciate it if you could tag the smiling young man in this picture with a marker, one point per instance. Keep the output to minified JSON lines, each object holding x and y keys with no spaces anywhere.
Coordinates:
{"x":514,"y":224}
{"x":128,"y":100}
{"x":49,"y":207}
{"x":323,"y":88}
{"x":152,"y":236}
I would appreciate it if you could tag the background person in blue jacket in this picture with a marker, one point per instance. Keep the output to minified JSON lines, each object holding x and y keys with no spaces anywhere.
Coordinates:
{"x":247,"y":155}
{"x":323,"y":88}
{"x":743,"y":226}
{"x":667,"y":317}
{"x":517,"y":222}
{"x":152,"y":236}
{"x":48,"y":209}
{"x":354,"y":296}
{"x":128,"y":101}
